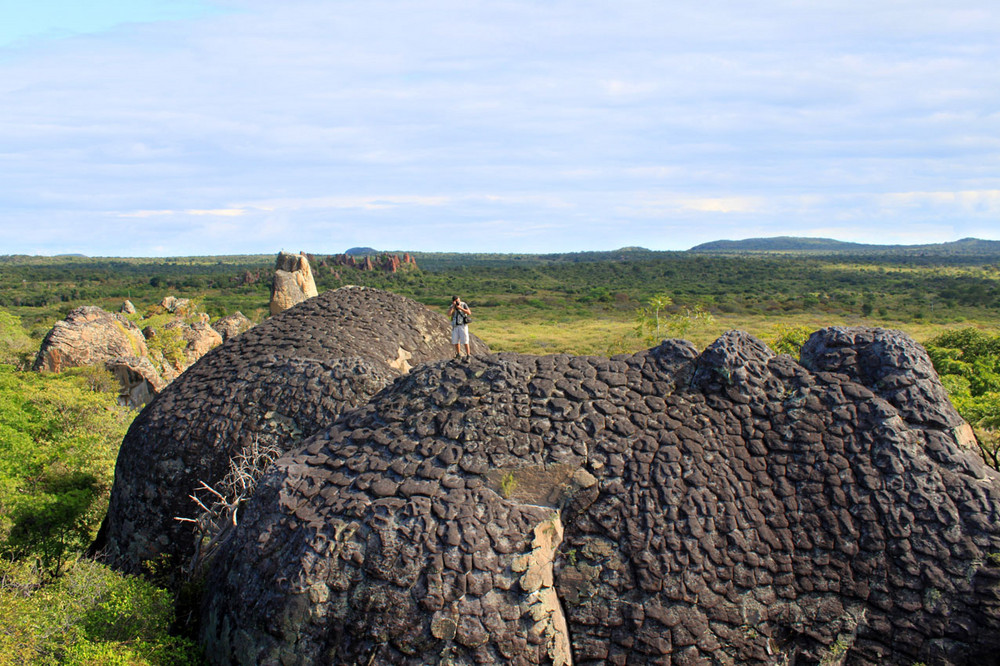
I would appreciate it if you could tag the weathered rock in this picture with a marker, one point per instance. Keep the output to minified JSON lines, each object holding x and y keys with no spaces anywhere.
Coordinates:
{"x":89,"y":336}
{"x":127,"y":307}
{"x":732,"y":507}
{"x":138,"y":378}
{"x":175,"y":305}
{"x":273,"y":385}
{"x":197,"y":339}
{"x":232,"y":325}
{"x":200,"y":338}
{"x":293,"y":282}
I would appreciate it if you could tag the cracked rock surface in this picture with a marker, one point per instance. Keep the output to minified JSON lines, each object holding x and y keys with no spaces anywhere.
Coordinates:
{"x":669,"y":507}
{"x":275,"y":384}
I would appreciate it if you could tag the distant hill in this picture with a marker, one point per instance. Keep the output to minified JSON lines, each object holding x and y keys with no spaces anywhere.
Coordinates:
{"x":965,"y":246}
{"x":361,"y":251}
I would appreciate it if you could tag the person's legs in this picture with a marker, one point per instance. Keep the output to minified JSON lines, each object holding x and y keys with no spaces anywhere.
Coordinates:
{"x":460,"y":336}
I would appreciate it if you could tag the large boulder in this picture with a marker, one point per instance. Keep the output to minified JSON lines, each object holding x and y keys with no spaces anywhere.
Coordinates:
{"x":264,"y":390}
{"x":293,"y":282}
{"x":728,"y":507}
{"x":89,"y":336}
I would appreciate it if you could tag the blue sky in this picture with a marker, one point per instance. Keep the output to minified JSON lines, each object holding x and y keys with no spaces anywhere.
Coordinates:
{"x":151,"y":128}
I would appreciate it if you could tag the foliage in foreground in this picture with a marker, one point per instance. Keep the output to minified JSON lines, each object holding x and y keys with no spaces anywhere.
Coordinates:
{"x":968,"y":361}
{"x":59,"y":436}
{"x":90,"y":615}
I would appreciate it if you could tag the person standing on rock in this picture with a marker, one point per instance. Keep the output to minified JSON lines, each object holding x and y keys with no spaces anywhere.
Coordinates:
{"x":460,"y":315}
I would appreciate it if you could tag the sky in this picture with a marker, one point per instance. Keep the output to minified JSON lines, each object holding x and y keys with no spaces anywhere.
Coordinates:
{"x":205,"y":127}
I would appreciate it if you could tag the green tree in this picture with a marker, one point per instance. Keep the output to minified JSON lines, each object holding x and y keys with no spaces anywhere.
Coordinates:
{"x":651,"y":318}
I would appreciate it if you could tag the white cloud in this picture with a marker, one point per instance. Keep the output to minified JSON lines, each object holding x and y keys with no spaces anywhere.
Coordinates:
{"x":572,"y":123}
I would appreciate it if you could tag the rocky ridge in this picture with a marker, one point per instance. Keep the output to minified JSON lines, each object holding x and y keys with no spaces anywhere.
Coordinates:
{"x":670,"y":507}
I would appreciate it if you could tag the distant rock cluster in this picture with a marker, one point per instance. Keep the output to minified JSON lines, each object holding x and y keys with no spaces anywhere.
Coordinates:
{"x":271,"y":387}
{"x":670,"y":507}
{"x":386,"y":263}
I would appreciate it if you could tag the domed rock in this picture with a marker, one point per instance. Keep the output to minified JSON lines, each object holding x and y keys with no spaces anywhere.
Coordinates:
{"x":293,"y":282}
{"x":262,"y":391}
{"x":733,"y":507}
{"x":89,"y":336}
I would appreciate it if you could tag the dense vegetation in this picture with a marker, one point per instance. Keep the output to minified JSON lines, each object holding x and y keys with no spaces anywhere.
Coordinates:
{"x":59,"y":436}
{"x":59,"y":433}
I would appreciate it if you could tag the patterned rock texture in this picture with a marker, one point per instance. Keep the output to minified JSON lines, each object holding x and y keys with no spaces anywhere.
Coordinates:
{"x":269,"y":387}
{"x":89,"y":336}
{"x":732,"y":507}
{"x":293,"y":282}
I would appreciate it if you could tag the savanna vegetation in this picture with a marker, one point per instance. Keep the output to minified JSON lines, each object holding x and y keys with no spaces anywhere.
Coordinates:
{"x":59,"y":433}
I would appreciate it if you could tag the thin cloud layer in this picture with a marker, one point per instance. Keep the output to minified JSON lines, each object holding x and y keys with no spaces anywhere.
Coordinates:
{"x":517,"y":126}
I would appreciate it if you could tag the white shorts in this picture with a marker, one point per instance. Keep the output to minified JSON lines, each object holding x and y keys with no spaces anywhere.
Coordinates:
{"x":460,"y":334}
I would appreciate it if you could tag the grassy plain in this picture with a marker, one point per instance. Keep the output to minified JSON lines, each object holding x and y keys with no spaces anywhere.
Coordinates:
{"x":602,"y":336}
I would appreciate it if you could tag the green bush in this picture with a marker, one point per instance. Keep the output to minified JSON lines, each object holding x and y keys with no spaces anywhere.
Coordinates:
{"x":968,"y":362}
{"x":17,"y":348}
{"x":789,"y":339}
{"x":91,"y":615}
{"x":58,"y":442}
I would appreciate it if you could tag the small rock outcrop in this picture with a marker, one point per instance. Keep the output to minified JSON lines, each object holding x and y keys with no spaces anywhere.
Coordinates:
{"x":89,"y":336}
{"x":195,"y":340}
{"x":270,"y":387}
{"x":232,"y":325}
{"x":127,"y":307}
{"x":138,"y":378}
{"x":293,"y":282}
{"x":728,"y":507}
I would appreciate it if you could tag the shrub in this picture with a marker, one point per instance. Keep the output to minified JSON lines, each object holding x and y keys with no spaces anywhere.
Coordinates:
{"x":17,"y":348}
{"x":92,"y":615}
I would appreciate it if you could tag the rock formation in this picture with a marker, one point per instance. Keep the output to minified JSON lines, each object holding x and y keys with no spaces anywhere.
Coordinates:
{"x":175,"y":305}
{"x":89,"y":336}
{"x":293,"y":282}
{"x":732,"y":507}
{"x":138,"y":378}
{"x":127,"y":307}
{"x":232,"y":325}
{"x":270,"y":387}
{"x":386,"y":263}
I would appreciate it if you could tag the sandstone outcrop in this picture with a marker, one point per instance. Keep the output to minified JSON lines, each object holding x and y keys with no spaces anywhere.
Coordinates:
{"x":669,"y":507}
{"x":127,"y":307}
{"x":175,"y":305}
{"x":195,"y":341}
{"x":293,"y":282}
{"x":232,"y":325}
{"x":89,"y":336}
{"x":270,"y":387}
{"x":138,"y":378}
